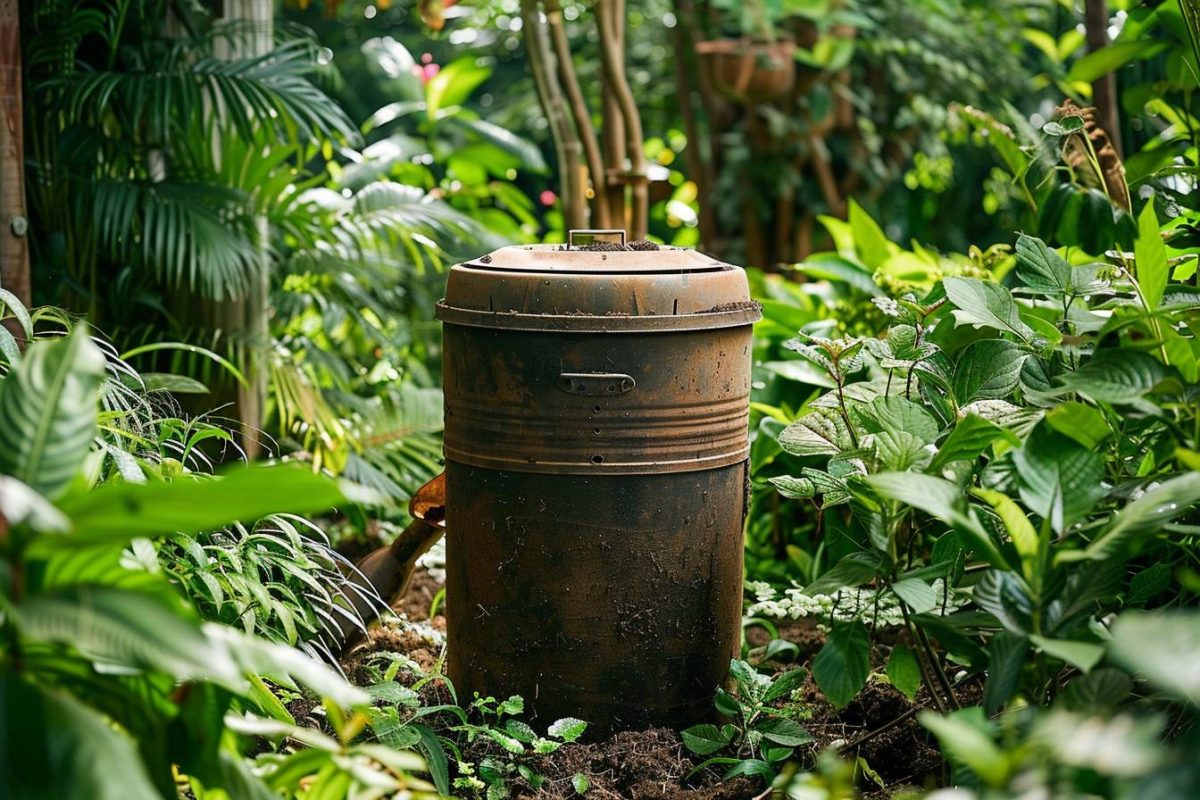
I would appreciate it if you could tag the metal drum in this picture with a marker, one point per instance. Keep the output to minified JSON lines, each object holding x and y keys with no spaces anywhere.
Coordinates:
{"x":596,"y":479}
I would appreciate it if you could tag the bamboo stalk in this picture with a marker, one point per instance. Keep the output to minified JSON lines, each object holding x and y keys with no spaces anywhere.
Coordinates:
{"x":611,"y":14}
{"x":579,"y":112}
{"x":567,"y":146}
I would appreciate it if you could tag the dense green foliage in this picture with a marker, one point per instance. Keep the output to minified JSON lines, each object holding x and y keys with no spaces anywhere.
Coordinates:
{"x":975,"y":414}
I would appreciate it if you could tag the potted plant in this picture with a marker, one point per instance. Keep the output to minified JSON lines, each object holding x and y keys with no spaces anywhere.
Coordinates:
{"x":756,"y":66}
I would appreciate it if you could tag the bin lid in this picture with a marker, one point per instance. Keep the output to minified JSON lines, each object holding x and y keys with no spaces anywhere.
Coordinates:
{"x":601,"y":287}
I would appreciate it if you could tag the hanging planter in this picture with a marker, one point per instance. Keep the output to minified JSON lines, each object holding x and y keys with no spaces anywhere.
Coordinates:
{"x":749,"y":71}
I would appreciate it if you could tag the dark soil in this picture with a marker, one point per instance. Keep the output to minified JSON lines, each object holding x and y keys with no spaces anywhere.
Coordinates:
{"x":609,"y":247}
{"x":635,"y":765}
{"x":741,"y":305}
{"x":640,"y":765}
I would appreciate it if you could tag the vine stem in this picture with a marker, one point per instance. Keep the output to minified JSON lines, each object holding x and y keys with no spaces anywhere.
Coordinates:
{"x":921,"y":657}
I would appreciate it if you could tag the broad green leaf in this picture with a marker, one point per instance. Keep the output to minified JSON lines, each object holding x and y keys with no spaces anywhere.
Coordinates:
{"x":918,"y":595}
{"x":1003,"y":595}
{"x":1148,"y":584}
{"x":890,"y":414}
{"x":706,"y":739}
{"x":169,"y":382}
{"x":453,"y":84}
{"x":967,"y":441}
{"x":795,"y":488}
{"x":801,"y":371}
{"x":853,"y":570}
{"x":870,"y":243}
{"x":1150,"y":257}
{"x":1099,"y":690}
{"x":1042,"y":269}
{"x":20,"y":504}
{"x":1006,"y":657}
{"x":121,"y":512}
{"x":965,"y":738}
{"x":802,"y":438}
{"x":1099,"y":63}
{"x":568,"y":729}
{"x":940,"y":499}
{"x":507,"y":742}
{"x":1081,"y":655}
{"x":842,"y":666}
{"x":985,"y":304}
{"x":1163,"y":648}
{"x":132,"y":629}
{"x":1143,"y":517}
{"x":1024,"y":536}
{"x":783,"y":731}
{"x":53,"y":746}
{"x":988,"y":369}
{"x":785,"y":683}
{"x":1083,"y":423}
{"x":1059,"y":479}
{"x":903,"y":671}
{"x":580,"y":783}
{"x":48,"y":411}
{"x":900,"y":450}
{"x":1115,"y":376}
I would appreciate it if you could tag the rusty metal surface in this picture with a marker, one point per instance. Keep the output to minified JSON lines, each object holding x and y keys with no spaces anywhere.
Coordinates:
{"x":613,"y":599}
{"x":596,"y":445}
{"x":675,"y":402}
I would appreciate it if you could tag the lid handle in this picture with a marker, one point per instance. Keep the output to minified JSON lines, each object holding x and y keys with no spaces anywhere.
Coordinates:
{"x":594,"y":232}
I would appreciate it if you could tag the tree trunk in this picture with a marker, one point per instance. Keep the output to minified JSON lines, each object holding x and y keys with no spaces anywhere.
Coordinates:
{"x":14,"y":247}
{"x":245,"y":320}
{"x":1104,"y":88}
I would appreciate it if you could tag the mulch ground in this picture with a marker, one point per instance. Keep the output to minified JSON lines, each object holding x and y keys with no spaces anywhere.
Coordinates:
{"x":653,"y":764}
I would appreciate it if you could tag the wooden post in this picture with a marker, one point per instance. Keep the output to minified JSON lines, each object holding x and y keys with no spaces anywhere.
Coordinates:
{"x":1104,"y":88}
{"x":14,"y":222}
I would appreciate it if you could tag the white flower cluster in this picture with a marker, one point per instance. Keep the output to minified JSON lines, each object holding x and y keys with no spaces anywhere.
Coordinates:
{"x":879,"y":608}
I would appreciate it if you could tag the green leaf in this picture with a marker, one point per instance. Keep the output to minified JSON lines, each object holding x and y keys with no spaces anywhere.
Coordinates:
{"x":568,"y":729}
{"x":1081,"y":422}
{"x":1024,"y":536}
{"x":842,"y":666}
{"x":53,"y":746}
{"x":1115,"y":376}
{"x":870,"y":243}
{"x":1143,"y":517}
{"x":121,"y":512}
{"x":900,"y":450}
{"x":1163,"y":647}
{"x":1099,"y":63}
{"x":811,"y":435}
{"x":453,"y":84}
{"x":48,"y":411}
{"x":795,"y":488}
{"x":1042,"y":269}
{"x":988,"y":369}
{"x":891,"y":414}
{"x":783,"y":731}
{"x":1006,"y":657}
{"x":706,"y":739}
{"x":801,"y":371}
{"x":132,"y":629}
{"x":507,"y":742}
{"x":1099,"y":690}
{"x":852,"y":570}
{"x":1059,"y":479}
{"x":580,"y":783}
{"x":965,"y":738}
{"x":918,"y":595}
{"x":1150,"y":257}
{"x":1081,"y":655}
{"x":785,"y":683}
{"x":940,"y":499}
{"x":985,"y":304}
{"x":1148,"y":584}
{"x":903,"y":671}
{"x":170,"y":382}
{"x":967,"y":441}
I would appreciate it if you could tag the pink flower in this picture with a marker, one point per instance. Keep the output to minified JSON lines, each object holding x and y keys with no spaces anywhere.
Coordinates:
{"x":429,"y":71}
{"x":547,"y":197}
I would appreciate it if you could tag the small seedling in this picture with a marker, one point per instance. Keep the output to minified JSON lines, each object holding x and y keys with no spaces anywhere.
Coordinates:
{"x":759,"y":735}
